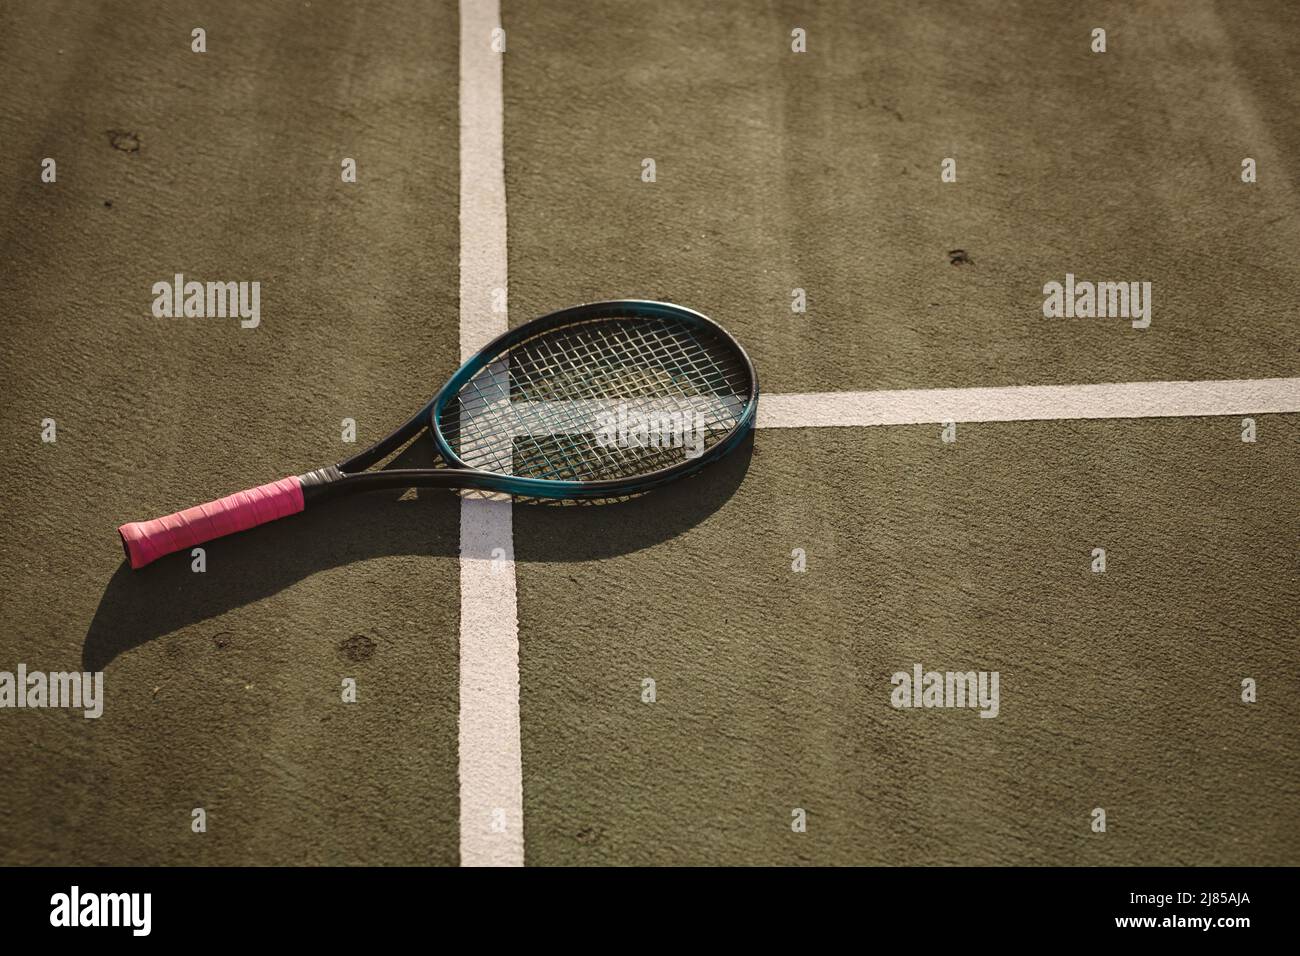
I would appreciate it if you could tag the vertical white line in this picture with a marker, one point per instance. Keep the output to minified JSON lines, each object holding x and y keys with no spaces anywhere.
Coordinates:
{"x":491,"y":772}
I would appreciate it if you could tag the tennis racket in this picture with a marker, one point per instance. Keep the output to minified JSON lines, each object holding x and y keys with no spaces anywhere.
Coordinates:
{"x":597,"y":401}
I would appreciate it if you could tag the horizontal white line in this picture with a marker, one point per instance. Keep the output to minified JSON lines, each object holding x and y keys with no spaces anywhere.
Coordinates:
{"x":1029,"y":403}
{"x":495,"y":421}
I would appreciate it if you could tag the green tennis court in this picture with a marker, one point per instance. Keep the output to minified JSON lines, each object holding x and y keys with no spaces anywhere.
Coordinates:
{"x":706,"y":674}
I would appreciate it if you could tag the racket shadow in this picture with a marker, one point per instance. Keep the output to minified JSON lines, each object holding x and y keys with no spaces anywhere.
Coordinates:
{"x":141,"y":606}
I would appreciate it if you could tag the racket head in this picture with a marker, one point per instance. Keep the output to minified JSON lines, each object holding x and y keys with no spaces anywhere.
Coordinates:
{"x":597,"y":401}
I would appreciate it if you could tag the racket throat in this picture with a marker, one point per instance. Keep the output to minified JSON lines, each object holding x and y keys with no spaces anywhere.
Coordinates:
{"x":331,"y":482}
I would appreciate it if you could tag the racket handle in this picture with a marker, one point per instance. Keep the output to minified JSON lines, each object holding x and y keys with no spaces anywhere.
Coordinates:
{"x":146,"y":541}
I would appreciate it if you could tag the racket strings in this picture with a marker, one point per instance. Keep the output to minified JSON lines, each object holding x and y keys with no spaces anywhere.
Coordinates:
{"x":599,"y":400}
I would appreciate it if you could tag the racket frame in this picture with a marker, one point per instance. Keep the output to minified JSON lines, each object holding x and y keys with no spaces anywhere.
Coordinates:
{"x":350,"y":475}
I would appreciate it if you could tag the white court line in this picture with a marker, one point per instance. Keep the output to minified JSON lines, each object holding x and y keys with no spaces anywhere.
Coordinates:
{"x":1017,"y":403}
{"x":491,"y":775}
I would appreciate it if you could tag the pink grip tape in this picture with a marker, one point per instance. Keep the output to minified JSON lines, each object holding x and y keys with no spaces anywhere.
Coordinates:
{"x":146,"y":541}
